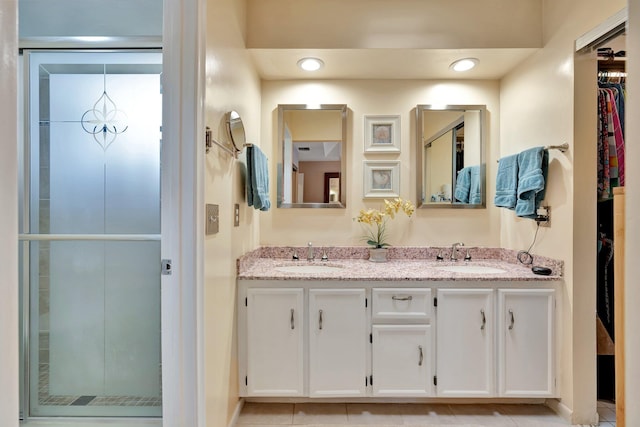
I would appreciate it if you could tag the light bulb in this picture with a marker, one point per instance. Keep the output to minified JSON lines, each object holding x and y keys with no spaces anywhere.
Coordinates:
{"x":310,"y":64}
{"x":464,"y":64}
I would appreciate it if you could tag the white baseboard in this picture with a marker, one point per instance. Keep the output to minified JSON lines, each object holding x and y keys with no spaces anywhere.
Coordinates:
{"x":236,"y":412}
{"x":560,"y":408}
{"x":564,"y":411}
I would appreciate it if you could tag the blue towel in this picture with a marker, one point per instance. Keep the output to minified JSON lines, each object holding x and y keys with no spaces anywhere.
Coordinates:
{"x":463,"y":185}
{"x":475,"y":193}
{"x":533,"y":165}
{"x":507,"y":182}
{"x":257,"y":179}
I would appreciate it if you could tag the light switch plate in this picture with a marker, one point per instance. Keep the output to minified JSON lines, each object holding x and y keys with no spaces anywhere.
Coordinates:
{"x":236,"y":215}
{"x":212,"y":219}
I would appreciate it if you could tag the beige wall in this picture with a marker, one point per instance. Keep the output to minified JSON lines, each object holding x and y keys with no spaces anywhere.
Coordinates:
{"x":367,"y":97}
{"x":231,"y":84}
{"x":314,"y":125}
{"x":314,"y":179}
{"x":411,"y":24}
{"x":538,"y":107}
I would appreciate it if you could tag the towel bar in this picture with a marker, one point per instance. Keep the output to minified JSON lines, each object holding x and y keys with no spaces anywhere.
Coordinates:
{"x":562,"y":147}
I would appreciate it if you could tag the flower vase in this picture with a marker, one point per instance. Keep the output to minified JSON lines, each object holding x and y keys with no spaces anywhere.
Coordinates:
{"x":378,"y":254}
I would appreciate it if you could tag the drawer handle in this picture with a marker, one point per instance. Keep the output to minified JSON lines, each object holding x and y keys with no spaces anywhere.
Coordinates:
{"x":513,"y":320}
{"x":293,"y":324}
{"x":395,"y":298}
{"x":320,"y":319}
{"x":484,"y":319}
{"x":421,"y":356}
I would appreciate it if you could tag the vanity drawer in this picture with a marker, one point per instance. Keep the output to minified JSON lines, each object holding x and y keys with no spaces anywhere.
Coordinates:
{"x":401,"y":304}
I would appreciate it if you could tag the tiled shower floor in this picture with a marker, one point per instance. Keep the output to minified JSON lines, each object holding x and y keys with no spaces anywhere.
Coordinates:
{"x":44,"y":398}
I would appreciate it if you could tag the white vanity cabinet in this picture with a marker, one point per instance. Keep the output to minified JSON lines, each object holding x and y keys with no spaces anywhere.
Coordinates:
{"x":402,"y":360}
{"x":465,"y":343}
{"x":274,"y":341}
{"x":397,"y":339}
{"x":526,"y":342}
{"x":402,"y":342}
{"x":338,"y":342}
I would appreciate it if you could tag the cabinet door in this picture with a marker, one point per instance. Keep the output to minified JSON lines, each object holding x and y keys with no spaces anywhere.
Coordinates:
{"x":275,"y":342}
{"x":337,"y":342}
{"x":464,"y":343}
{"x":526,"y":348}
{"x":402,"y":360}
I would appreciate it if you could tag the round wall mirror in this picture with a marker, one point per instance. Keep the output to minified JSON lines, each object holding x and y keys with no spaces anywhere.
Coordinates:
{"x":236,"y":130}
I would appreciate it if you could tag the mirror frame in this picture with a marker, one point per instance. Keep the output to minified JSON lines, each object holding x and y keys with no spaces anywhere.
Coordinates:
{"x":343,"y":156}
{"x":420,"y":109}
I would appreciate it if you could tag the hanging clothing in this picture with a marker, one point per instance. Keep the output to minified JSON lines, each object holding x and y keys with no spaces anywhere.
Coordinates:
{"x":611,"y":144}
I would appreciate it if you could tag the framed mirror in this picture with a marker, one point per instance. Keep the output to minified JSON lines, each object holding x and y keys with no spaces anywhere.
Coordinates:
{"x":312,"y":159}
{"x":450,"y":156}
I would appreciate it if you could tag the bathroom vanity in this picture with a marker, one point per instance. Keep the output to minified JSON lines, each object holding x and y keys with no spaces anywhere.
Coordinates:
{"x":405,"y":329}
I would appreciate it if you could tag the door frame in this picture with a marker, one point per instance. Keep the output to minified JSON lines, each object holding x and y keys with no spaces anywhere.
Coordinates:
{"x":183,"y":225}
{"x":184,"y":36}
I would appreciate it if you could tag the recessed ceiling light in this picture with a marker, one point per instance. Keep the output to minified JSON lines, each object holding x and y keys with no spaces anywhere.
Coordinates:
{"x":310,"y":64}
{"x":464,"y":64}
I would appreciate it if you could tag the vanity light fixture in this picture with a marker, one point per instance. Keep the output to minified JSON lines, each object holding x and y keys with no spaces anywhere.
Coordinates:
{"x":310,"y":64}
{"x":464,"y":64}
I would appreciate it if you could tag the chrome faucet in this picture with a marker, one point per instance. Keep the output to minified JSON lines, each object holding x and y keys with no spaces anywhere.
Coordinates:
{"x":310,"y":252}
{"x":454,"y":251}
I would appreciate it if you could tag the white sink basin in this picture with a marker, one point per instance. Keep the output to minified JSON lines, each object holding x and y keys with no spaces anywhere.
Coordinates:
{"x":308,"y":269}
{"x":470,"y":269}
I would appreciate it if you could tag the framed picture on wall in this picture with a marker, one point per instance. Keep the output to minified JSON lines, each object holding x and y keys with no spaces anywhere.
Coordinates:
{"x":382,"y":134}
{"x":381,"y":178}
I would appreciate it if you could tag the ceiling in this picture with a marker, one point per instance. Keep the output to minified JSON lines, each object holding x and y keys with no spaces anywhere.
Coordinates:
{"x":280,"y":64}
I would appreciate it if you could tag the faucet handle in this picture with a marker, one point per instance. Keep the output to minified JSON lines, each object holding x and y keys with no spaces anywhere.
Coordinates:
{"x":295,"y":256}
{"x":324,"y":256}
{"x":467,"y":256}
{"x":439,"y":257}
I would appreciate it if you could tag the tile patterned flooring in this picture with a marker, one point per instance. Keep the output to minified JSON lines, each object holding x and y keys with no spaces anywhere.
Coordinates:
{"x":423,"y":415}
{"x":607,"y":412}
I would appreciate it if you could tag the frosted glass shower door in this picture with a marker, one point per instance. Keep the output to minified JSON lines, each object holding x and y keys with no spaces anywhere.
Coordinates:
{"x":94,"y":234}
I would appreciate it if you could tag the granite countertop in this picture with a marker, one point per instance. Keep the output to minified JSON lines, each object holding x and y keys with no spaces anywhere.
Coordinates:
{"x":412,"y":264}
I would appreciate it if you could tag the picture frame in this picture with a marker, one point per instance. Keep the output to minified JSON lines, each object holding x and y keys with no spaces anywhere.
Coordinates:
{"x":381,"y":178}
{"x":382,"y":134}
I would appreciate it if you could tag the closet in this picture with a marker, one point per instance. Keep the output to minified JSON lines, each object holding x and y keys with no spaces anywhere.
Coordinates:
{"x":611,"y":179}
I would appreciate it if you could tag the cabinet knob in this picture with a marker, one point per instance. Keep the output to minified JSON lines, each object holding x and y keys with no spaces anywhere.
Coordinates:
{"x":320,"y":319}
{"x":421,"y":357}
{"x":395,"y":298}
{"x":484,"y":319}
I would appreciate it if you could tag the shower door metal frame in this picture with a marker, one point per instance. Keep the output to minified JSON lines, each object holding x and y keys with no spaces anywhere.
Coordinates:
{"x":25,"y":237}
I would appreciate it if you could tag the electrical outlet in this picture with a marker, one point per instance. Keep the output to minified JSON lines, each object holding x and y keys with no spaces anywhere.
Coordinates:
{"x":212,"y":219}
{"x":236,"y":215}
{"x":543,"y":216}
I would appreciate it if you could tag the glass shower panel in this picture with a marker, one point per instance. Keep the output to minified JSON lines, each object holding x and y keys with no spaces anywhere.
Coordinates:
{"x":95,"y":207}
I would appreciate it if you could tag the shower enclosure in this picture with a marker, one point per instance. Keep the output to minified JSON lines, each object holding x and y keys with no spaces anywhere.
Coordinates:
{"x":90,"y":234}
